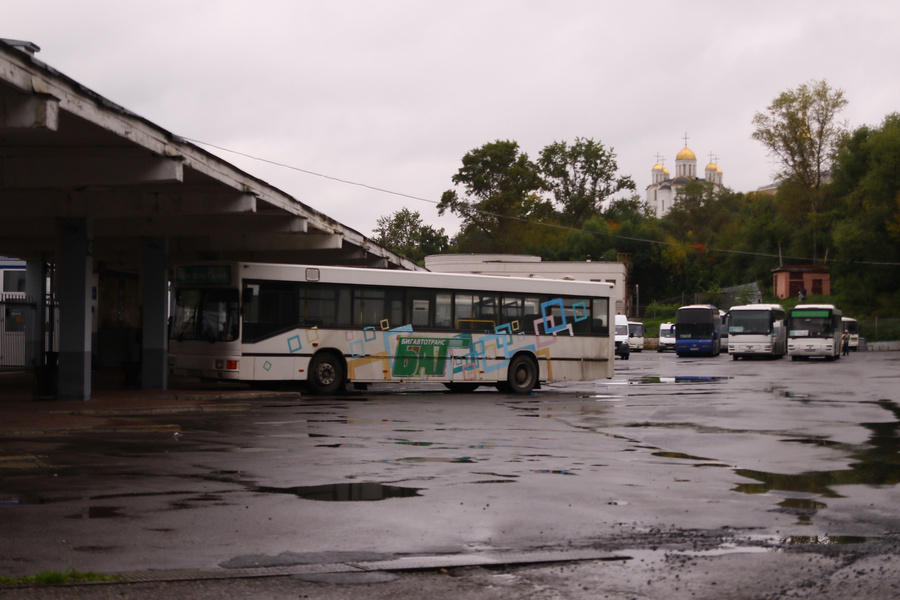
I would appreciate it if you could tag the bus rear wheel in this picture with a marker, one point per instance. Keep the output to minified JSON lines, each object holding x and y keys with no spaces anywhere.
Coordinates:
{"x":522,"y":374}
{"x":326,"y":374}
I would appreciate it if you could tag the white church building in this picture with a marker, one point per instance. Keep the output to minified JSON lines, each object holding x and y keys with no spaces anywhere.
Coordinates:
{"x":663,"y":189}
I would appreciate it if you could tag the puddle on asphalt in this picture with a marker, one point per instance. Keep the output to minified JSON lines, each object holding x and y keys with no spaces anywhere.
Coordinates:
{"x":822,"y":540}
{"x":409,"y":459}
{"x":554,"y":471}
{"x":344,"y":492}
{"x":701,"y":461}
{"x":606,"y":397}
{"x":410,"y":443}
{"x":875,"y":463}
{"x":340,"y":446}
{"x":98,"y":512}
{"x":651,"y":379}
{"x":494,"y":481}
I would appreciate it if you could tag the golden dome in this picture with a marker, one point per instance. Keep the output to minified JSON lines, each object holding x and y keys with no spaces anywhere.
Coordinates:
{"x":686,"y":154}
{"x":658,"y":167}
{"x":665,"y":170}
{"x":711,"y":167}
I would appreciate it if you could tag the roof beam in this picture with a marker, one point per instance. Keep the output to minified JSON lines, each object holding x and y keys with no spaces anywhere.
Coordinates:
{"x":81,"y":167}
{"x":125,"y":202}
{"x":212,"y":225}
{"x":40,"y":111}
{"x":263,"y":242}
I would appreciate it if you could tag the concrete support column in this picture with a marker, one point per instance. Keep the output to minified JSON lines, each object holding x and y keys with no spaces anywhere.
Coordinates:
{"x":154,"y":303}
{"x":35,"y":292}
{"x":74,"y":266}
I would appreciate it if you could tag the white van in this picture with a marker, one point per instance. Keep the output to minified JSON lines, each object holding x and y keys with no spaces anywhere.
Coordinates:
{"x":622,"y":348}
{"x":666,"y":337}
{"x":635,"y":336}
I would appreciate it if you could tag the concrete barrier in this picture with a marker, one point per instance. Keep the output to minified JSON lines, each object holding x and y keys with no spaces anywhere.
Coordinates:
{"x":879,"y":346}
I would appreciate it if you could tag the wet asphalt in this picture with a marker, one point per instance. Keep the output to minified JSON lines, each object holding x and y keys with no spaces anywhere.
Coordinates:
{"x":700,"y":477}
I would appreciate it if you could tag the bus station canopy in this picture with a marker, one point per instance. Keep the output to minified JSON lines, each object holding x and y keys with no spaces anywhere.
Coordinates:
{"x":68,"y":153}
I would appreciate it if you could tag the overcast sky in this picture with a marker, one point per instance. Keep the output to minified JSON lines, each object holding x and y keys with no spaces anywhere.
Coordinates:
{"x":392,"y":94}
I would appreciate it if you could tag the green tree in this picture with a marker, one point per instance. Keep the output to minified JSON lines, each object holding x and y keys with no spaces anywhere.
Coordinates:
{"x":404,"y":233}
{"x":628,"y":209}
{"x":866,"y":218}
{"x":582,"y":177}
{"x":801,"y":130}
{"x":502,"y":198}
{"x":700,"y":211}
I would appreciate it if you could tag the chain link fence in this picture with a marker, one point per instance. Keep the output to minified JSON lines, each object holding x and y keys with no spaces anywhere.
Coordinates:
{"x":879,"y":330}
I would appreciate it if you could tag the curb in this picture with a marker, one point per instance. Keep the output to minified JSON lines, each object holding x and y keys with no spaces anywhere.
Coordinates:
{"x":154,"y":410}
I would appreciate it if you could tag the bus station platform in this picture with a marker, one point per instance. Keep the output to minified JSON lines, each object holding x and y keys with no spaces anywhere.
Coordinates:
{"x":112,"y":407}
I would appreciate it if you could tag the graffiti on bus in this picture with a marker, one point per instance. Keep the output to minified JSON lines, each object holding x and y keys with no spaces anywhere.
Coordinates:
{"x":468,"y":356}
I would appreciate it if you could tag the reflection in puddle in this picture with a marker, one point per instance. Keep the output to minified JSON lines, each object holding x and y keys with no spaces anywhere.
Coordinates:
{"x":460,"y":459}
{"x":680,"y":455}
{"x":876,"y":463}
{"x":822,"y":540}
{"x":679,"y":379}
{"x":98,"y":512}
{"x":344,"y":492}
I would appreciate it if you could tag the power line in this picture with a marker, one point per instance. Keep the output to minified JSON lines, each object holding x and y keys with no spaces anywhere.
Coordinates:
{"x":526,"y":221}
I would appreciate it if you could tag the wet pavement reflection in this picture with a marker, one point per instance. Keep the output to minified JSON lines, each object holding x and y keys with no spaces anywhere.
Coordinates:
{"x":771,"y":450}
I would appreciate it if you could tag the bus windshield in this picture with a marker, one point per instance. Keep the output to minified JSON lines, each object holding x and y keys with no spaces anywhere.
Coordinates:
{"x":750,"y":322}
{"x":209,"y":315}
{"x":695,"y":331}
{"x":811,"y":323}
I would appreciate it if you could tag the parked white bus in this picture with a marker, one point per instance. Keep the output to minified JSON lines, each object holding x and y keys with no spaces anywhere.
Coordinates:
{"x":666,"y":337}
{"x":635,"y":336}
{"x":329,"y":326}
{"x":757,"y":330}
{"x":852,"y":327}
{"x":814,"y":330}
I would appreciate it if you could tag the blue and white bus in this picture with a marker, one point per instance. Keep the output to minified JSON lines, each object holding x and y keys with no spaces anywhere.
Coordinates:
{"x":329,"y":326}
{"x":814,"y":330}
{"x":757,"y":330}
{"x":697,"y":329}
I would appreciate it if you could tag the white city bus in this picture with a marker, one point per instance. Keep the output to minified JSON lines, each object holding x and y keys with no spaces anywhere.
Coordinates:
{"x":814,"y":330}
{"x":328,"y":326}
{"x":757,"y":330}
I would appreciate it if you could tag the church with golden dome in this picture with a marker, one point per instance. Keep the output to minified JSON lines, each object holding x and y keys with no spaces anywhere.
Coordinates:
{"x":663,"y":189}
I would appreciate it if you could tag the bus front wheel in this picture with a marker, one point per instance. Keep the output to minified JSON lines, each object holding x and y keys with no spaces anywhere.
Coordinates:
{"x":522,"y":374}
{"x":326,"y":374}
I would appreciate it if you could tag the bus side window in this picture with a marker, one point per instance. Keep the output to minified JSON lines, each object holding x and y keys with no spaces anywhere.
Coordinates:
{"x":420,"y":308}
{"x":443,"y":310}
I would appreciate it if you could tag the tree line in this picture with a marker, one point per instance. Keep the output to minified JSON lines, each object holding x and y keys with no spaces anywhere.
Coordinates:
{"x":837,"y":203}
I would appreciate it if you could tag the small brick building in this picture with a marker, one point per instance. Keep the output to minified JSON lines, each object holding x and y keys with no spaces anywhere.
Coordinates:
{"x":789,"y":280}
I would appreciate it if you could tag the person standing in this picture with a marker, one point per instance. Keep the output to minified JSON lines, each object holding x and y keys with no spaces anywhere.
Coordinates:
{"x":845,"y":343}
